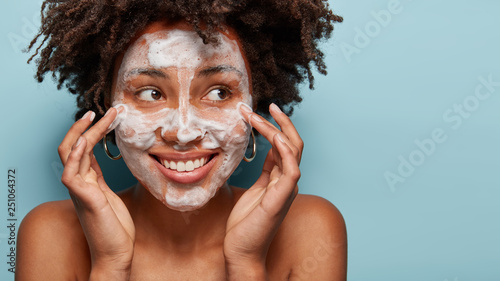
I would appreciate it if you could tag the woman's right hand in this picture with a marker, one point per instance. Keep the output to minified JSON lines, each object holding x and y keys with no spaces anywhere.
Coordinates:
{"x":105,"y":219}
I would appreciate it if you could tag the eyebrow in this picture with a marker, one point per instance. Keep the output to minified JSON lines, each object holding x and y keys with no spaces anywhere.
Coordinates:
{"x":218,"y":69}
{"x":148,"y":72}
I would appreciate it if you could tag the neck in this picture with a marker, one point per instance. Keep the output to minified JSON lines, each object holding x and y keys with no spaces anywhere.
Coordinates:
{"x":175,"y":230}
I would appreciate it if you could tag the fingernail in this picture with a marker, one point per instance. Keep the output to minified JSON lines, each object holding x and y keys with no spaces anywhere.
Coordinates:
{"x":120,"y":108}
{"x":90,"y":112}
{"x":107,"y":112}
{"x":245,"y":107}
{"x":276,"y":108}
{"x":121,"y":112}
{"x":78,"y":142}
{"x":85,"y":115}
{"x":281,"y":138}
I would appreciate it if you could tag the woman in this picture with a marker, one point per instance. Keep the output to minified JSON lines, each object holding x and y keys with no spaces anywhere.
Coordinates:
{"x":178,"y":83}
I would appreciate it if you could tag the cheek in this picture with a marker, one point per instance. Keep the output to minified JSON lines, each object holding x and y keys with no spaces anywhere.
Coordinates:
{"x":225,"y":129}
{"x":138,"y":129}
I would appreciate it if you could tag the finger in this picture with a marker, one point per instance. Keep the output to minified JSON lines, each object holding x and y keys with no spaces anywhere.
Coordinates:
{"x":282,"y":193}
{"x":100,"y":178}
{"x":84,"y":173}
{"x":95,"y":166}
{"x":276,"y":155}
{"x":97,"y":132}
{"x":266,"y":128}
{"x":73,"y":134}
{"x":82,"y":187}
{"x":290,"y":166}
{"x":263,"y":179}
{"x":70,"y":176}
{"x":85,"y":167}
{"x":287,"y":127}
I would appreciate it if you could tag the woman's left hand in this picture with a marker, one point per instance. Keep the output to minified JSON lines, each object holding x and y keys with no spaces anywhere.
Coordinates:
{"x":259,"y":212}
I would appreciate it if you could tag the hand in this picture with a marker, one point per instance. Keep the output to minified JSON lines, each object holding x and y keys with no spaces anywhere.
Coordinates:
{"x":259,"y":212}
{"x":105,"y":219}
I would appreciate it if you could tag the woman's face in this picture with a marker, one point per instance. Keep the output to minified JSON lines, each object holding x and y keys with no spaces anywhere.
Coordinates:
{"x":181,"y":133}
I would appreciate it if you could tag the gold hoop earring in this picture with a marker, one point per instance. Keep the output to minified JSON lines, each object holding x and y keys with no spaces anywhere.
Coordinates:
{"x":105,"y":143}
{"x":254,"y":150}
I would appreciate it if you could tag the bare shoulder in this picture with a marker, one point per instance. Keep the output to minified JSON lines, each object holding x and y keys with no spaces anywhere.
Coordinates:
{"x":50,"y":243}
{"x":314,"y":240}
{"x":313,"y":213}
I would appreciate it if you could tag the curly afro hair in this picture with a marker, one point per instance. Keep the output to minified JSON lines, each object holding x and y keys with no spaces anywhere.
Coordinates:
{"x":82,"y":38}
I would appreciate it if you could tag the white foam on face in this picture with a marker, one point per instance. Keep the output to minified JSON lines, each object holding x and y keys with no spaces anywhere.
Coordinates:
{"x":215,"y":128}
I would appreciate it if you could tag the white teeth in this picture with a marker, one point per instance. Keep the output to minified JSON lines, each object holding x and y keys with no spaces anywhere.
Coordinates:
{"x":188,"y":166}
{"x":181,"y":166}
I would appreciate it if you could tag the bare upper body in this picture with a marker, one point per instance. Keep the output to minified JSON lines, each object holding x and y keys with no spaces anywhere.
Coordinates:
{"x":182,"y":114}
{"x":309,"y":245}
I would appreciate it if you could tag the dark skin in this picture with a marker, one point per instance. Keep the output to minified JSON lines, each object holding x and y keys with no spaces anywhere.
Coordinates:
{"x":265,"y":233}
{"x":56,"y":223}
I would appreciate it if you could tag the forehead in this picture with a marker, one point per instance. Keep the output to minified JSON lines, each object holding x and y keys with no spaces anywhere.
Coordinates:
{"x":178,"y":45}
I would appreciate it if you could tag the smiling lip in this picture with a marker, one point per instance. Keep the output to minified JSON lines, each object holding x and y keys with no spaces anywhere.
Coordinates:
{"x":185,"y":169}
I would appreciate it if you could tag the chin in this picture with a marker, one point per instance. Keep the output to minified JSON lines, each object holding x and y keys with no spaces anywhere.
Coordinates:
{"x":192,"y":199}
{"x":180,"y":197}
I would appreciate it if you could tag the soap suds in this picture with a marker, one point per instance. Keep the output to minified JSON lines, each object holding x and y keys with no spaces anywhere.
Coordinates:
{"x":214,"y":128}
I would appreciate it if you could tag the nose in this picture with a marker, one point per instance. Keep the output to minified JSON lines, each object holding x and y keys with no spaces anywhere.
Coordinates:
{"x":181,"y":127}
{"x":188,"y":134}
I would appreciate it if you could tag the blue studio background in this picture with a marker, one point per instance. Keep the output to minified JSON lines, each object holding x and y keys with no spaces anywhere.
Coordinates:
{"x":403,"y":136}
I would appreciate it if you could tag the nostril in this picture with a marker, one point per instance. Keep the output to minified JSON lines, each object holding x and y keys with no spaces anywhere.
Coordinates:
{"x":187,"y":135}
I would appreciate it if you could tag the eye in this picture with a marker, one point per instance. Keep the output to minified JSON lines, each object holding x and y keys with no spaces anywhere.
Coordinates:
{"x":149,"y":95}
{"x":217,"y":95}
